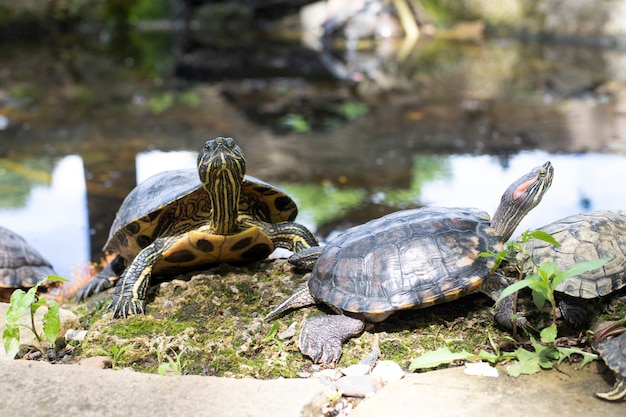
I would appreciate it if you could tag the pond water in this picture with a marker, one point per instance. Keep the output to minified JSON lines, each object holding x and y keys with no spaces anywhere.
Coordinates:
{"x":449,"y":124}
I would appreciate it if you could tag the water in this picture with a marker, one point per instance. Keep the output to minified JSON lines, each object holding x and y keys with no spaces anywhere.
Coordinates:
{"x":81,"y":125}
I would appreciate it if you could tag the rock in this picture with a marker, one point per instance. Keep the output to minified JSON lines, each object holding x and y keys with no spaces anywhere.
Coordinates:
{"x":289,"y":333}
{"x":100,"y":362}
{"x":358,"y":369}
{"x":480,"y":369}
{"x":327,"y":374}
{"x":387,"y":372}
{"x":357,"y":386}
{"x":74,"y":334}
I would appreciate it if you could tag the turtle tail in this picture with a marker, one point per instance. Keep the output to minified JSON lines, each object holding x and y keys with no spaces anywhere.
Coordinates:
{"x":301,"y":297}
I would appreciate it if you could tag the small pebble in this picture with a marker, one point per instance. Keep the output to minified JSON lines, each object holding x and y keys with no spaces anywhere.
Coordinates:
{"x":328,"y":374}
{"x":289,"y":333}
{"x":100,"y":362}
{"x":357,"y":386}
{"x":387,"y":372}
{"x":480,"y":369}
{"x":73,"y":334}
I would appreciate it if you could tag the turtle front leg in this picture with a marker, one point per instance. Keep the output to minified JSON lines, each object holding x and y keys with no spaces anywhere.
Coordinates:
{"x":287,"y":235}
{"x":131,"y":289}
{"x":322,"y":337}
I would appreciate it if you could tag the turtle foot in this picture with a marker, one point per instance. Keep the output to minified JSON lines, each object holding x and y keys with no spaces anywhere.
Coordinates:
{"x":504,"y":314}
{"x":96,"y":285}
{"x":322,"y":337}
{"x":125,"y":307}
{"x":618,"y":392}
{"x":104,"y":280}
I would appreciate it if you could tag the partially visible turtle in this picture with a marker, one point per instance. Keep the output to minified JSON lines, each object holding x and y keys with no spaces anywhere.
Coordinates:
{"x":174,"y":222}
{"x":585,"y":237}
{"x":613,"y":351}
{"x":21,"y":266}
{"x":405,"y":260}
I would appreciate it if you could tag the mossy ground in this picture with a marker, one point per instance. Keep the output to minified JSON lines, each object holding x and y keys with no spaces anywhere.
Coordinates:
{"x":212,"y":323}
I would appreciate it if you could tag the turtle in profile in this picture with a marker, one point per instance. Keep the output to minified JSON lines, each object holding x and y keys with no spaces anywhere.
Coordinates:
{"x":174,"y":222}
{"x":405,"y":260}
{"x":585,"y":237}
{"x":21,"y":266}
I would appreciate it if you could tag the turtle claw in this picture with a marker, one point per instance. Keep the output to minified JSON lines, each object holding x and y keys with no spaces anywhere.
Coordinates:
{"x":96,"y":285}
{"x":123,"y":308}
{"x":322,"y":337}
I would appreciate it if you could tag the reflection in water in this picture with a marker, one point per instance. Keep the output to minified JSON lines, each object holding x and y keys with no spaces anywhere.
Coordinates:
{"x":53,"y":218}
{"x":153,"y":162}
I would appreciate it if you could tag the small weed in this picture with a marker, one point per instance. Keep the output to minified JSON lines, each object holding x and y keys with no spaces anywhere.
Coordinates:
{"x":173,"y":366}
{"x":20,"y":303}
{"x":115,"y":354}
{"x":272,"y":335}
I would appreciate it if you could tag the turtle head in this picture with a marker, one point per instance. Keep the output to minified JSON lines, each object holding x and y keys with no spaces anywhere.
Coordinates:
{"x":221,"y":168}
{"x":521,"y":197}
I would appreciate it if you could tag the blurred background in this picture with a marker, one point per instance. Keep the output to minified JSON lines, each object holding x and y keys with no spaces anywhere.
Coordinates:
{"x":355,"y":108}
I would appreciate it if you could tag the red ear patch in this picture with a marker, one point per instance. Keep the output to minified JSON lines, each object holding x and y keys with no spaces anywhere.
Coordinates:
{"x":522,"y":188}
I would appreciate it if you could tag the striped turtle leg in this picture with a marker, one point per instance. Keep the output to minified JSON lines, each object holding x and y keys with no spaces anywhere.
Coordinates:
{"x":131,"y":289}
{"x":287,"y":235}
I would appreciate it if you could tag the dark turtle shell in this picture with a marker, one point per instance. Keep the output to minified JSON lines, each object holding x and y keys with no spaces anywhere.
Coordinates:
{"x":584,"y":237}
{"x":409,"y":259}
{"x":174,"y":202}
{"x":21,"y":266}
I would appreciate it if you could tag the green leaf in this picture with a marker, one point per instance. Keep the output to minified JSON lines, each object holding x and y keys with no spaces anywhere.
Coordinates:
{"x":527,"y":363}
{"x":548,"y":335}
{"x":19,"y":305}
{"x":539,"y":299}
{"x":11,"y":340}
{"x":55,"y":278}
{"x":546,"y":237}
{"x":52,"y":322}
{"x":35,"y":306}
{"x":583,"y":267}
{"x":565,"y":353}
{"x":434,"y":358}
{"x":548,"y":270}
{"x":512,"y":289}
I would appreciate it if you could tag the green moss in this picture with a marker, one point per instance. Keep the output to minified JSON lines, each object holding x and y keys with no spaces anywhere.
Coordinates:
{"x":215,"y":318}
{"x":144,"y":326}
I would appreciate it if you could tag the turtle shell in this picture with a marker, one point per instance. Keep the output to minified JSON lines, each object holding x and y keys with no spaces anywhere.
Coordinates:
{"x":174,"y":202}
{"x":21,"y":266}
{"x":584,"y":237}
{"x":408,"y":259}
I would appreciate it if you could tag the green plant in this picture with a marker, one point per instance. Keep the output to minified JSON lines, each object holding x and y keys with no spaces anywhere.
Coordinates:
{"x":542,"y":279}
{"x":115,"y":354}
{"x":19,"y":304}
{"x":272,"y":335}
{"x":173,"y":366}
{"x":443,"y":355}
